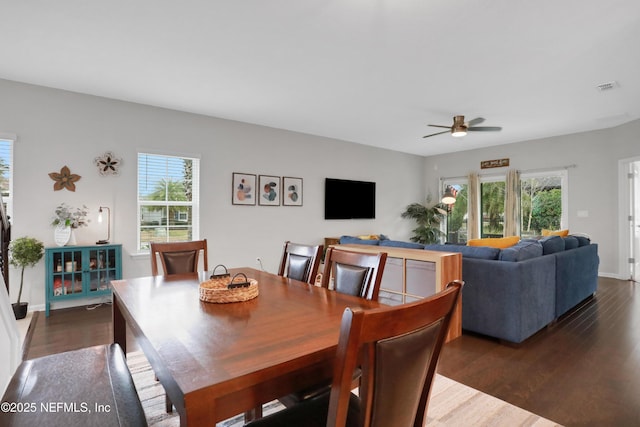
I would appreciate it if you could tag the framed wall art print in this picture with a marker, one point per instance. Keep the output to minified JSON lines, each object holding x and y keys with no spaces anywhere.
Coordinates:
{"x":243,"y":189}
{"x":291,"y":191}
{"x":268,"y":190}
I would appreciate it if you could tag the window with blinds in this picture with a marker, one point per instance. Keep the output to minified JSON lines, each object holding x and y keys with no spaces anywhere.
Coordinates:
{"x":168,"y":196}
{"x":6,"y":173}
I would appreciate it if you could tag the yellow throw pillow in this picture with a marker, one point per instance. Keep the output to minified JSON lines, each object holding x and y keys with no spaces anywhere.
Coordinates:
{"x":369,"y":237}
{"x":495,"y":242}
{"x":561,"y":233}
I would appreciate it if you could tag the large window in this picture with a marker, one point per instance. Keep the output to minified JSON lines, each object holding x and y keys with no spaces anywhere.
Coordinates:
{"x":6,"y":173}
{"x":492,"y":207}
{"x":543,"y":205}
{"x":168,"y":198}
{"x":542,"y":198}
{"x":457,"y":214}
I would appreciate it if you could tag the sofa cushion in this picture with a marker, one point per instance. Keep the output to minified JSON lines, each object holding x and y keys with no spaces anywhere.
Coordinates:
{"x":570,"y":242}
{"x":495,"y":242}
{"x":582,"y":240}
{"x":346,"y":240}
{"x":552,"y":244}
{"x":401,"y":244}
{"x":479,"y":252}
{"x":525,"y":249}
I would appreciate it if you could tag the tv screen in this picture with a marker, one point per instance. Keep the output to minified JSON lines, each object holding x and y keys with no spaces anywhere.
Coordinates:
{"x":345,"y":199}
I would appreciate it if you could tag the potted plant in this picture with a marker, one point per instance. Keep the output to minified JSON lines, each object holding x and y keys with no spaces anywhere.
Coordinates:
{"x":428,"y":218}
{"x":24,"y":252}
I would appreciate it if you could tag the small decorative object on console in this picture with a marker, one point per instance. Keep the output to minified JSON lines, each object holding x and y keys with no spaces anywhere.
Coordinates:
{"x":67,"y":216}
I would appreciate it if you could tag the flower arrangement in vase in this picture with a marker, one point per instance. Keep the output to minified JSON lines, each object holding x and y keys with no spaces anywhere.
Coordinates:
{"x":66,"y":220}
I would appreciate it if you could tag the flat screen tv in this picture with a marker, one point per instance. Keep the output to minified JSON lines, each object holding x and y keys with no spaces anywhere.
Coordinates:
{"x":346,"y":199}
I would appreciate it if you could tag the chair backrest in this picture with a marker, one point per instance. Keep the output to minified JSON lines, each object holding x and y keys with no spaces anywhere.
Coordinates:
{"x":354,"y":273}
{"x":300,"y":262}
{"x":178,"y":257}
{"x":398,"y":348}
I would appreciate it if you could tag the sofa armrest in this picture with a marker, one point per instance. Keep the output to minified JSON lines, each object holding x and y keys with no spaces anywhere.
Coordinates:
{"x":576,"y":276}
{"x":508,"y":300}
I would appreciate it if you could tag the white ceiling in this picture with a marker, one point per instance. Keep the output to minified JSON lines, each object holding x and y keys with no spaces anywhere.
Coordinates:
{"x":374,"y":72}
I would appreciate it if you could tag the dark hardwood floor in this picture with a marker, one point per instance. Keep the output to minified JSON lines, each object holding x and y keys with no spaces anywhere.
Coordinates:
{"x":69,"y":329}
{"x":582,"y":371}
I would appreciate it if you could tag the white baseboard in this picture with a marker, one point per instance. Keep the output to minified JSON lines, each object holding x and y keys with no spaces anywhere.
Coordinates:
{"x":36,"y":307}
{"x":81,"y":302}
{"x":611,"y":276}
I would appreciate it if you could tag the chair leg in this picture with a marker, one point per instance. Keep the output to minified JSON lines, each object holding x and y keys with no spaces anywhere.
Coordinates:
{"x":168,"y":405}
{"x":253,"y":414}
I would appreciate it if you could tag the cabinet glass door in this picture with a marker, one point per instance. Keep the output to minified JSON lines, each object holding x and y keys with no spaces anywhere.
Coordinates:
{"x":67,"y":274}
{"x":102,"y":269}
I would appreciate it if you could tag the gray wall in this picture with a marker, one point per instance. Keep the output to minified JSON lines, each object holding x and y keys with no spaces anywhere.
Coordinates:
{"x":593,"y":183}
{"x":57,"y":128}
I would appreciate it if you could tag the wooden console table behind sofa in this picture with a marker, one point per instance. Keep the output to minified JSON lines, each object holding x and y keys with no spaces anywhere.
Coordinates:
{"x":411,"y":274}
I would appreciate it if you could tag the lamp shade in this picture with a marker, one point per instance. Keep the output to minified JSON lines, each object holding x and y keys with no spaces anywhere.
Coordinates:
{"x":449,"y":196}
{"x":459,"y":131}
{"x":100,"y":210}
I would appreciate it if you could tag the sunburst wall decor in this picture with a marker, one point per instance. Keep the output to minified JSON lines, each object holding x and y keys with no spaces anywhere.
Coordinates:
{"x":108,"y":164}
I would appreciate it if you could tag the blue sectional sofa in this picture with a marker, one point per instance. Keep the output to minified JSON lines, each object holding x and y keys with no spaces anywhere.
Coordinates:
{"x":512,"y":293}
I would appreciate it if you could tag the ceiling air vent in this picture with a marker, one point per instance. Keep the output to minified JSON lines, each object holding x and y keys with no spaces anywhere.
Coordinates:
{"x":606,"y":86}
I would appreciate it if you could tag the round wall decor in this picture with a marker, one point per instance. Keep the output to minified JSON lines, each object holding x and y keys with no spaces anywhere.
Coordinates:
{"x":108,"y":164}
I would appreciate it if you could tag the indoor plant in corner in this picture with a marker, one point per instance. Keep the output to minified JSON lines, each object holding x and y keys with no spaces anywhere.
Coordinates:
{"x":24,"y":252}
{"x":428,"y":218}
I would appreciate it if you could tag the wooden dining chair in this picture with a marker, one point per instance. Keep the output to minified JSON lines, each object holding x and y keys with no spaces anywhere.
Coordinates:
{"x":300,"y":262}
{"x":347,"y":272}
{"x":397,"y":350}
{"x":353,"y":273}
{"x":178,"y":257}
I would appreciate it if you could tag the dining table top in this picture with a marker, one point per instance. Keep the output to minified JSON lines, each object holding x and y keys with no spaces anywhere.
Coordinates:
{"x":218,"y":360}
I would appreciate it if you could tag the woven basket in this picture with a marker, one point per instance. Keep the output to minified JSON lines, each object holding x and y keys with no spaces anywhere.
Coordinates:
{"x":222,"y":288}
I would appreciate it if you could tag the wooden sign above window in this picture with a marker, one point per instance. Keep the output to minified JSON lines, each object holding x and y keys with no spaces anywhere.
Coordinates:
{"x":498,"y":163}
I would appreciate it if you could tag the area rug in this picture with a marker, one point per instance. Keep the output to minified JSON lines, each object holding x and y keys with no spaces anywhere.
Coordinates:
{"x":452,"y":404}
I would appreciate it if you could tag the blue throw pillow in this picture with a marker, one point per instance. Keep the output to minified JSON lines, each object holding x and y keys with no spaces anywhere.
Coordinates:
{"x":570,"y":242}
{"x":582,"y":240}
{"x":552,"y":244}
{"x":479,"y":252}
{"x":523,"y":250}
{"x":400,"y":244}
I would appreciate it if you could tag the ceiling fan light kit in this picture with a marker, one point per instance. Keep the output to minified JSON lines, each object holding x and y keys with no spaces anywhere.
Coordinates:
{"x":458,"y":131}
{"x":460,"y":128}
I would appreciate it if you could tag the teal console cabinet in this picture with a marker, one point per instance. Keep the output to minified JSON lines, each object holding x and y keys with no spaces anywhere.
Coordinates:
{"x":75,"y":272}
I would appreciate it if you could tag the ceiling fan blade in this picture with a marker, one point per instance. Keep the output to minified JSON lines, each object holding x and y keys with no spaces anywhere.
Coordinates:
{"x":440,"y":126}
{"x":485,"y":129}
{"x":439,"y":133}
{"x":475,"y":121}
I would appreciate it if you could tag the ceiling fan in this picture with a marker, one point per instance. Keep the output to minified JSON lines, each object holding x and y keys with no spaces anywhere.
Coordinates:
{"x":460,"y":128}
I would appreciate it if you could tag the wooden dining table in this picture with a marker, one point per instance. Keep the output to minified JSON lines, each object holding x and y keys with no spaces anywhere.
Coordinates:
{"x":219,"y":360}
